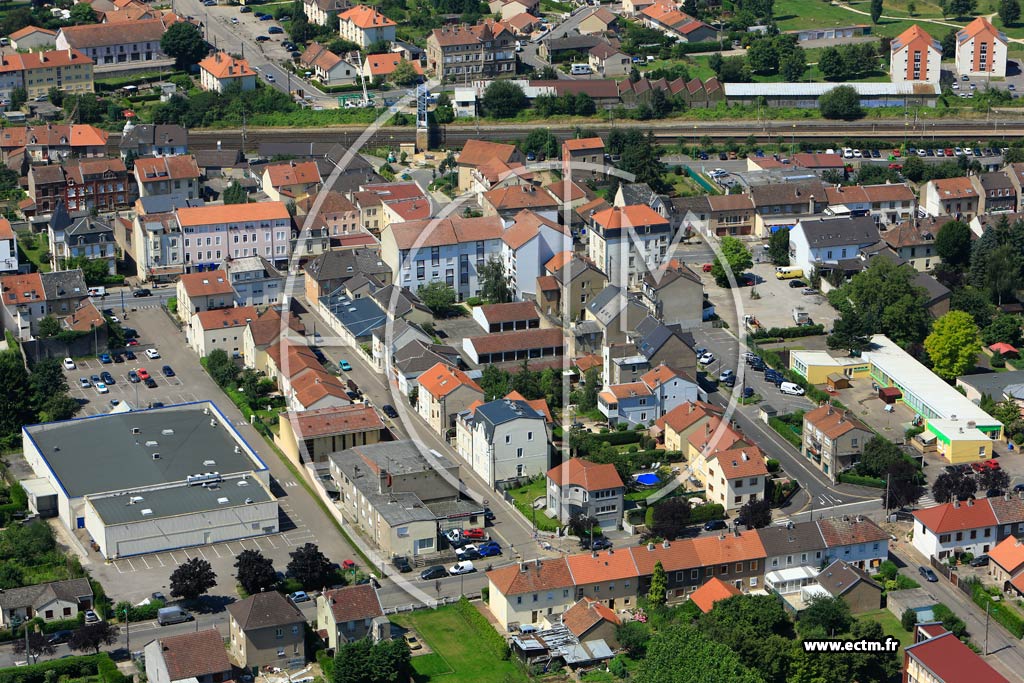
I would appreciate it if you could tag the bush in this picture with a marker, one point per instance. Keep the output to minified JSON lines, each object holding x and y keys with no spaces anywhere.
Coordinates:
{"x":859,"y":480}
{"x":789,"y":332}
{"x":618,"y":438}
{"x":706,"y":513}
{"x":108,"y":671}
{"x":72,"y":667}
{"x":772,"y":464}
{"x":474,"y":301}
{"x":1008,"y":617}
{"x":784,"y":430}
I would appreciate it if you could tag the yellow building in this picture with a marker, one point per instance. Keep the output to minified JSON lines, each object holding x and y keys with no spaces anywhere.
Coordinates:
{"x":816,"y":366}
{"x":67,"y":70}
{"x":312,"y":435}
{"x":959,"y":441}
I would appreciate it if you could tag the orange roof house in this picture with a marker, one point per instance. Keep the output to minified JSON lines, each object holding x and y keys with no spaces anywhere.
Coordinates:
{"x":384,"y":65}
{"x":915,"y":57}
{"x":1009,"y":555}
{"x":711,"y":592}
{"x":585,"y":474}
{"x":219,"y":70}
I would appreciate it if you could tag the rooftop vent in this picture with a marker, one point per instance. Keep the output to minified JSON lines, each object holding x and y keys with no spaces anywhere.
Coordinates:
{"x":222,"y":501}
{"x":249,"y":501}
{"x":243,"y":482}
{"x":209,"y":463}
{"x":146,"y":512}
{"x":168,"y":432}
{"x":134,"y":499}
{"x":152,"y":443}
{"x":156,"y":456}
{"x":135,"y":430}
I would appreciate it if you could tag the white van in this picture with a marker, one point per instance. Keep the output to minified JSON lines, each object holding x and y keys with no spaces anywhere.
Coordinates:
{"x":791,"y":389}
{"x":580,"y":69}
{"x":172,"y":615}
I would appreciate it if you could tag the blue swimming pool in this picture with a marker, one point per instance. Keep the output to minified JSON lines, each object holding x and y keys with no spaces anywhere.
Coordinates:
{"x":649,"y":479}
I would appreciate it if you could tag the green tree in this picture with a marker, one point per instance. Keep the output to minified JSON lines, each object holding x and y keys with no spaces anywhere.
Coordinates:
{"x":15,"y":399}
{"x":95,"y":271}
{"x":878,"y":456}
{"x":494,"y":382}
{"x":778,"y":247}
{"x":185,"y":43}
{"x":255,"y":572}
{"x":235,"y":194}
{"x":657,"y":594}
{"x":641,"y":157}
{"x":737,"y":259}
{"x":953,"y":243}
{"x":49,"y":326}
{"x":35,"y":645}
{"x":18,"y":97}
{"x":959,"y":8}
{"x":670,"y":518}
{"x":793,"y":65}
{"x":46,"y":380}
{"x":973,"y":301}
{"x":591,"y":387}
{"x":310,"y":567}
{"x":192,"y":579}
{"x":363,"y":661}
{"x":886,"y":300}
{"x":94,"y":636}
{"x":756,"y":513}
{"x":763,"y":57}
{"x":439,"y":298}
{"x":503,"y":99}
{"x":949,"y":42}
{"x":82,"y":13}
{"x":682,"y":654}
{"x":950,"y":621}
{"x":757,"y":629}
{"x":876,"y":11}
{"x":826,"y":616}
{"x":633,"y":637}
{"x":444,"y":112}
{"x":1003,"y":328}
{"x":541,"y":141}
{"x":527,"y":381}
{"x":831,"y":64}
{"x":914,"y":168}
{"x":953,"y":345}
{"x":404,"y":74}
{"x":494,"y":286}
{"x":909,"y":620}
{"x":912,"y":8}
{"x":955,"y":485}
{"x":1009,"y":12}
{"x":904,"y":488}
{"x":221,"y":368}
{"x":841,"y":102}
{"x":58,"y":407}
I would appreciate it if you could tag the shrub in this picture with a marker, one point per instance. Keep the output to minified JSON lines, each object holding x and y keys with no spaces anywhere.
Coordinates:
{"x":1008,"y":617}
{"x":772,"y":464}
{"x":789,"y":332}
{"x":997,"y":360}
{"x":784,"y":430}
{"x":859,"y":480}
{"x":72,"y":667}
{"x":706,"y":513}
{"x":908,"y":620}
{"x":474,"y":301}
{"x":619,"y":438}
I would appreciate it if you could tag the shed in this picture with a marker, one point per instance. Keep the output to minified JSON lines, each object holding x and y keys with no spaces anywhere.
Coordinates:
{"x":1004,"y":349}
{"x":766,"y":413}
{"x":889,"y":394}
{"x":837,"y":381}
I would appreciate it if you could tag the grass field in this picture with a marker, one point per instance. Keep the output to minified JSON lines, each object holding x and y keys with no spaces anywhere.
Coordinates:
{"x":457,"y":657}
{"x":34,"y":247}
{"x":524,"y":497}
{"x":891,"y":625}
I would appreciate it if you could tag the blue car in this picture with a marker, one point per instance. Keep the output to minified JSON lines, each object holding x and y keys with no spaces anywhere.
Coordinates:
{"x":489,"y":549}
{"x":106,"y":359}
{"x":345,"y":365}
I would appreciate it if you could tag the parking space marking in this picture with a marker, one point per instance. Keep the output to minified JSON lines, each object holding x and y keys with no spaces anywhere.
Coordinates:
{"x":200,"y":551}
{"x":143,"y":558}
{"x":160,"y":560}
{"x":216,"y":552}
{"x":257,"y":542}
{"x":267,"y":539}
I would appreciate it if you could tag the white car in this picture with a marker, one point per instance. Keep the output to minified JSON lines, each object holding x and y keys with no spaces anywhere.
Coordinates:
{"x":459,"y":552}
{"x":791,"y":389}
{"x":152,"y":354}
{"x":69,"y":364}
{"x":706,"y":358}
{"x":462,"y":568}
{"x":102,"y":388}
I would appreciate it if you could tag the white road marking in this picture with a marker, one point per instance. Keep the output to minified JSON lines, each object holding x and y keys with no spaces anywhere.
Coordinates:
{"x":214,"y":548}
{"x":143,"y":558}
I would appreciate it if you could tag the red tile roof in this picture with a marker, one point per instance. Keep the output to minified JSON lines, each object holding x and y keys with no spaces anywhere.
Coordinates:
{"x":103,"y":35}
{"x":949,"y":517}
{"x":950,"y":661}
{"x":585,"y":474}
{"x":585,"y":615}
{"x":980,"y":26}
{"x":715,"y":550}
{"x":335,"y":420}
{"x":520,"y":339}
{"x":52,"y":58}
{"x":628,"y":216}
{"x":222,"y":65}
{"x":526,"y":225}
{"x":558,"y":261}
{"x":314,"y":384}
{"x":354,"y":603}
{"x":686,"y":415}
{"x":6,"y":231}
{"x":833,"y":422}
{"x":520,"y":197}
{"x":181,"y":167}
{"x":659,"y":375}
{"x":511,"y":312}
{"x":386,"y":63}
{"x":22,"y":289}
{"x":194,"y":655}
{"x":1009,"y":554}
{"x":532,"y":577}
{"x":252,"y":212}
{"x":293,"y":173}
{"x":226,"y":317}
{"x":581,"y":144}
{"x":477,"y":152}
{"x":608,"y":565}
{"x":445,"y":231}
{"x":441,"y":380}
{"x":711,"y":592}
{"x":738,"y":463}
{"x":206,"y":284}
{"x":365,"y":17}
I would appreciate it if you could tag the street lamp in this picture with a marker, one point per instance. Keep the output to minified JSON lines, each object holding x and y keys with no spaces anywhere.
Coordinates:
{"x":127,"y":633}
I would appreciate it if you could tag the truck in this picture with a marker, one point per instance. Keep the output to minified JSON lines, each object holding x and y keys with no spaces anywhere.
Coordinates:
{"x":800,"y":316}
{"x":752,"y":324}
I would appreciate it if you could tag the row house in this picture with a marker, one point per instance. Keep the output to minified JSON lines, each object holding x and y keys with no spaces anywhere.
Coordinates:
{"x":291,"y":180}
{"x":380,"y":204}
{"x":450,"y":251}
{"x":504,"y":440}
{"x":888,"y":204}
{"x":166,"y":175}
{"x":1016,"y":174}
{"x":781,"y":206}
{"x":334,"y":212}
{"x":506,"y":202}
{"x":157,"y":247}
{"x":153,"y":140}
{"x":970,"y":526}
{"x":85,"y":185}
{"x":444,"y":393}
{"x":833,"y":440}
{"x":198,"y":292}
{"x":332,"y":269}
{"x":8,"y":248}
{"x":914,"y":242}
{"x":955,"y":197}
{"x":119,"y":44}
{"x":643,"y":402}
{"x":485,"y":50}
{"x":324,"y":12}
{"x":674,"y":295}
{"x":212,"y":234}
{"x":727,"y":214}
{"x":996,"y":193}
{"x":54,"y":142}
{"x":527,"y":245}
{"x":627,"y":242}
{"x":569,"y":283}
{"x":37,"y":72}
{"x":31,"y":297}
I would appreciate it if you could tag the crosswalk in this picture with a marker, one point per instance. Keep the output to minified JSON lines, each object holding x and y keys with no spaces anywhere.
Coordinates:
{"x":926,"y":501}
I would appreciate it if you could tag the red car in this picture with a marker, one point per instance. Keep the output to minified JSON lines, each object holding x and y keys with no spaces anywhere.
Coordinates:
{"x":348,"y":564}
{"x":896,"y":167}
{"x":143,"y":374}
{"x":706,"y":267}
{"x":475,"y":534}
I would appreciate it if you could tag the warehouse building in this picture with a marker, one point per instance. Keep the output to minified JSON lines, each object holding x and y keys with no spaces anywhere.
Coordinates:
{"x":151,"y":480}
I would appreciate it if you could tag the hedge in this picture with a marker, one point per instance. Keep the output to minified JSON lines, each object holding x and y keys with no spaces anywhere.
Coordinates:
{"x":861,"y":480}
{"x":1006,"y":616}
{"x":784,"y":431}
{"x":72,"y":667}
{"x":698,"y":514}
{"x":108,"y":671}
{"x":789,"y":332}
{"x":146,"y":612}
{"x":478,"y":624}
{"x":619,"y":438}
{"x":706,"y":46}
{"x":326,"y":663}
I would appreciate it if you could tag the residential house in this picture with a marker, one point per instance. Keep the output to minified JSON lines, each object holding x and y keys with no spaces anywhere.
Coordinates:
{"x":674,"y":295}
{"x":327,"y":67}
{"x":508,"y":201}
{"x":69,"y":69}
{"x":383,"y":65}
{"x":971,"y":526}
{"x":212,"y":233}
{"x":717,"y":435}
{"x":856,"y":540}
{"x":570,"y":276}
{"x":198,"y":292}
{"x":579,"y":486}
{"x":421,"y":252}
{"x":354,"y":320}
{"x":12,"y":75}
{"x":392,"y":335}
{"x":914,"y":242}
{"x":736,"y":476}
{"x":666,"y":18}
{"x":256,"y":282}
{"x":676,"y":425}
{"x":265,"y":332}
{"x":996,"y":192}
{"x":168,"y":175}
{"x":583,"y":158}
{"x":599,"y":20}
{"x":266,"y":629}
{"x":950,"y":197}
{"x":117,"y":45}
{"x":736,"y":558}
{"x":466,"y":53}
{"x":914,"y":57}
{"x":33,"y":38}
{"x":8,"y":248}
{"x":833,"y":440}
{"x":222,"y":328}
{"x":635,"y":7}
{"x":938,"y":656}
{"x":528,"y":244}
{"x":54,"y":142}
{"x":980,"y":50}
{"x":890,"y":202}
{"x":626,"y":242}
{"x":820,"y":244}
{"x":30,"y":297}
{"x":778,"y":206}
{"x":503,"y":440}
{"x":794,"y":546}
{"x":530,"y":591}
{"x":382,"y":203}
{"x":727,"y":214}
{"x":332,"y":269}
{"x":591,"y":620}
{"x":514,"y":8}
{"x":336,"y":213}
{"x":1006,"y":562}
{"x":444,"y":393}
{"x":84,"y":237}
{"x":523,"y":24}
{"x":364,"y":26}
{"x":290,"y":180}
{"x":153,"y":139}
{"x":82,"y":185}
{"x":1014,"y":171}
{"x":324,"y":12}
{"x":312,"y":435}
{"x":851,"y":585}
{"x":348,"y":614}
{"x":188,"y":657}
{"x":711,"y":592}
{"x":818,"y":163}
{"x":476,"y":153}
{"x":221,"y":70}
{"x":657,"y":344}
{"x":658,"y":392}
{"x":415,"y":358}
{"x":52,"y":601}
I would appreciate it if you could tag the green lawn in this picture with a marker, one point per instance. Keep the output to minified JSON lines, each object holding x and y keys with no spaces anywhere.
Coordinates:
{"x":458,"y":657}
{"x":801,"y":14}
{"x":524,"y":497}
{"x":890,"y":625}
{"x":34,"y":247}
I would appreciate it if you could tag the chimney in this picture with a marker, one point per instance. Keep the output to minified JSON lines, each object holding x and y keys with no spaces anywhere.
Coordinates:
{"x":956,"y":503}
{"x":665,"y":545}
{"x":970,"y":502}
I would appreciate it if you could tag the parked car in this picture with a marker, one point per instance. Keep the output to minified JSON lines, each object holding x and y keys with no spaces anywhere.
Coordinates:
{"x":133,"y":377}
{"x":262,"y":39}
{"x":489,"y":549}
{"x":706,"y":358}
{"x":474,"y":534}
{"x":58,"y":637}
{"x":106,"y":359}
{"x":465,"y":567}
{"x":275,"y":30}
{"x":791,"y":388}
{"x":389,"y":410}
{"x":142,"y":292}
{"x":168,"y":371}
{"x":979,"y":561}
{"x":69,"y":364}
{"x":91,"y":617}
{"x":107,"y":377}
{"x":928,"y":574}
{"x":435,"y":572}
{"x":796,"y":284}
{"x":102,"y":388}
{"x":299,"y":596}
{"x":344,"y":365}
{"x":152,"y":354}
{"x":726,"y":376}
{"x":599,"y":543}
{"x":150,"y":383}
{"x":143,"y":374}
{"x":412,"y":642}
{"x":468,"y":552}
{"x":715,"y":525}
{"x":158,"y":596}
{"x":84,"y":382}
{"x":401,"y":563}
{"x":118,"y":358}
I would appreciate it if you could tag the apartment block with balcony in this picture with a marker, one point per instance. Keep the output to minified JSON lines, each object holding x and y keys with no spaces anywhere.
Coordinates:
{"x":213,"y":233}
{"x":832,"y":440}
{"x":629,"y":241}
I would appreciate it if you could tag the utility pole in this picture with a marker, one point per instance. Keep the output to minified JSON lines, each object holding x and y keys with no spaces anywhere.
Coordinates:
{"x":127,"y":629}
{"x":988,"y":609}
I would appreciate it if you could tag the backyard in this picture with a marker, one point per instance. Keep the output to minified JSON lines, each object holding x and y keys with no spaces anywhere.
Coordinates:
{"x":890,"y":625}
{"x":523,"y":498}
{"x":457,"y":656}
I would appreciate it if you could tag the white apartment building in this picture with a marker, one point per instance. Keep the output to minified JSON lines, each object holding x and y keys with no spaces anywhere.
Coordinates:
{"x":213,"y":233}
{"x":628,"y":241}
{"x":502,"y":440}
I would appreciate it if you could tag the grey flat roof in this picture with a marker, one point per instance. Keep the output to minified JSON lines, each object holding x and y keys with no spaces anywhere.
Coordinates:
{"x":397,"y":457}
{"x":178,"y":500}
{"x":992,"y":383}
{"x":99,"y":454}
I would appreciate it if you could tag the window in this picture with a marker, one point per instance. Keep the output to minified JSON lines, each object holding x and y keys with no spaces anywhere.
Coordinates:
{"x":519,"y":452}
{"x":435,"y":256}
{"x":508,"y":438}
{"x":279,"y":633}
{"x":529,"y":436}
